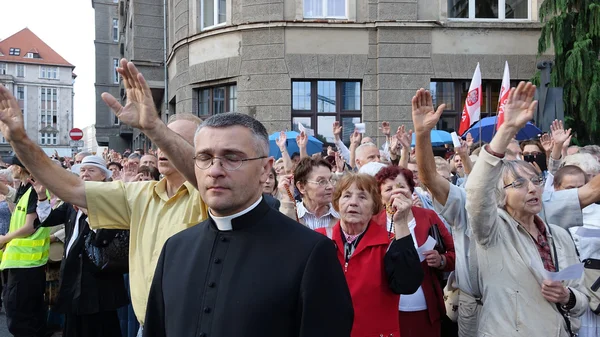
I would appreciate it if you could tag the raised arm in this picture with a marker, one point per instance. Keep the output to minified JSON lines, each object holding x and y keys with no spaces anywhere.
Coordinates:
{"x":302,"y":141}
{"x":354,"y":143}
{"x":282,"y":144}
{"x":560,"y":136}
{"x":424,"y":120}
{"x":590,"y":192}
{"x":481,"y":185}
{"x":463,"y":152}
{"x":140,"y":112}
{"x":65,"y":185}
{"x":405,"y":139}
{"x":337,"y":134}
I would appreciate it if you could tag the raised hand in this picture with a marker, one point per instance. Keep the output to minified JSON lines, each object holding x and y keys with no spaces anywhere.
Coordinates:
{"x":302,"y":140}
{"x":355,"y":138}
{"x":337,"y":130}
{"x":470,"y":140}
{"x":394,"y":145}
{"x":11,"y":118}
{"x":405,"y":137}
{"x":339,"y":162}
{"x":559,"y":134}
{"x":519,"y":107}
{"x":284,"y":187}
{"x":140,"y":111}
{"x":385,"y":128}
{"x":424,"y":116}
{"x":462,"y":150}
{"x":547,"y":142}
{"x":281,"y":141}
{"x":401,"y":205}
{"x":39,"y":188}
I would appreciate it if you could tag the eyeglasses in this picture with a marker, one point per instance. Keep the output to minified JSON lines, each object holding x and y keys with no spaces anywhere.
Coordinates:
{"x":322,"y":182}
{"x":230,"y":162}
{"x":520,"y":182}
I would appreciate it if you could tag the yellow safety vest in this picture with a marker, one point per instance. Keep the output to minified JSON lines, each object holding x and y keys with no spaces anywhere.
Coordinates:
{"x":28,"y":252}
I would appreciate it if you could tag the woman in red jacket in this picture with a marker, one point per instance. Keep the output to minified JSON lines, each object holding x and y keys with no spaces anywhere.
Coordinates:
{"x":421,"y":312}
{"x":376,"y":267}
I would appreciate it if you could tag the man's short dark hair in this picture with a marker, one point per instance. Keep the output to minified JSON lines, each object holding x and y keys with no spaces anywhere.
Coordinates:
{"x":237,"y":119}
{"x":114,"y":163}
{"x":294,"y":155}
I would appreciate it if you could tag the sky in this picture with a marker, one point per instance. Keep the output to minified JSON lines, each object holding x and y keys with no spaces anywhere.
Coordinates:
{"x":67,"y":26}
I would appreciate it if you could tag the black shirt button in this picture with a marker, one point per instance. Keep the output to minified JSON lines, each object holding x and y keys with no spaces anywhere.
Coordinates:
{"x":223,"y":239}
{"x":217,"y":261}
{"x":207,"y":310}
{"x":212,"y":284}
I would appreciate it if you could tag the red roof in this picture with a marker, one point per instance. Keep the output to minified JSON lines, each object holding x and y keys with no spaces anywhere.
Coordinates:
{"x":27,"y":42}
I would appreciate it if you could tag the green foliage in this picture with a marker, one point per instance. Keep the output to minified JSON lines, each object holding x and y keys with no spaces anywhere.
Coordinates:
{"x":572,"y":28}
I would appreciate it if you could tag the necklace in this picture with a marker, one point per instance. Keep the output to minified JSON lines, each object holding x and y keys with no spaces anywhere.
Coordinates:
{"x":389,"y":209}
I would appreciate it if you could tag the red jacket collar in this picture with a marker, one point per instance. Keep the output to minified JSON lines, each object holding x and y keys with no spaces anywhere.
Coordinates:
{"x":375,"y":235}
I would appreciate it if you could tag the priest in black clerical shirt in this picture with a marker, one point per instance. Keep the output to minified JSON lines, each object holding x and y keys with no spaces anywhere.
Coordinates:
{"x":248,"y":270}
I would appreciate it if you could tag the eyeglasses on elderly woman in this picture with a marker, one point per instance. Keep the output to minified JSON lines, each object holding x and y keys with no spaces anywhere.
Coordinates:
{"x":522,"y":182}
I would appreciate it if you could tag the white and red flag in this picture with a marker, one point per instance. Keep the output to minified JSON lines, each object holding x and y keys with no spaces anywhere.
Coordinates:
{"x":504,"y":90}
{"x":472,"y":108}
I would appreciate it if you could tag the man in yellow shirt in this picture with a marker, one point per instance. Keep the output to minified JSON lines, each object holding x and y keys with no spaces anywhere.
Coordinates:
{"x":152,"y":210}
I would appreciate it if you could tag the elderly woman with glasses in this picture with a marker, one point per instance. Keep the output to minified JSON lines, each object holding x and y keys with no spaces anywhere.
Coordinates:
{"x":378,"y":268}
{"x":313,"y":179}
{"x":516,"y":250}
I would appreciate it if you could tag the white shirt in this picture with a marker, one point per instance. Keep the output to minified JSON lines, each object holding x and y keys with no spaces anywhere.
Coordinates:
{"x":416,"y":301}
{"x":224,"y":223}
{"x":311,"y":221}
{"x":43,"y":211}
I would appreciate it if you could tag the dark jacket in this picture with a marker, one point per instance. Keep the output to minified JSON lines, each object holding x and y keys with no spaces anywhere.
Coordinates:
{"x":268,"y":277}
{"x":272,"y":201}
{"x":83,"y":289}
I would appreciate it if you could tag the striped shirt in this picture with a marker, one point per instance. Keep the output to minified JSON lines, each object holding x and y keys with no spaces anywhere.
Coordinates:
{"x":311,"y":221}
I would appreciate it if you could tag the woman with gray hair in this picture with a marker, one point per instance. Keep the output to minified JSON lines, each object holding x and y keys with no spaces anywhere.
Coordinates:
{"x":516,"y":250}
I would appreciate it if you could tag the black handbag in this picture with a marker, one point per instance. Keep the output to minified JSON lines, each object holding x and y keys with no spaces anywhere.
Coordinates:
{"x":434,"y":232}
{"x":108,"y":250}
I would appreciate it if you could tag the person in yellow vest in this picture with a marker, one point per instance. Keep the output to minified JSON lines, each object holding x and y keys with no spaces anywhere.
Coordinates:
{"x":24,"y":256}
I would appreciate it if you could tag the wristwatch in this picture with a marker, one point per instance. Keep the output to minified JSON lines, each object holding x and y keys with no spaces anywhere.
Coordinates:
{"x":442,"y":261}
{"x":572,"y":300}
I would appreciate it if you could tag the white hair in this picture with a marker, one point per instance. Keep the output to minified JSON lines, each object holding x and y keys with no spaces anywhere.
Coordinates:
{"x":361,"y":147}
{"x":371,"y":168}
{"x":585,"y":161}
{"x":511,"y":169}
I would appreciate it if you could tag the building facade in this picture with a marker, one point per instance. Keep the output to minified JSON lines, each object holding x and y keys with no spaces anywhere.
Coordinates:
{"x":109,"y":132}
{"x":42,"y":82}
{"x":90,"y":144}
{"x":317,"y":61}
{"x":131,"y":29}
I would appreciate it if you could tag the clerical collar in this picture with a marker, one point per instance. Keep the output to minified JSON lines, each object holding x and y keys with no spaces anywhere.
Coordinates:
{"x":224,"y":223}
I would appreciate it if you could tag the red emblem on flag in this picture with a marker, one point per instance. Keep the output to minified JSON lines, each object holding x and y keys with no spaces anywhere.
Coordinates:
{"x":473,"y":97}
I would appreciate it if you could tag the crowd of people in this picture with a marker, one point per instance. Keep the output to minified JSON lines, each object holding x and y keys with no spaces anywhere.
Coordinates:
{"x":212,"y":237}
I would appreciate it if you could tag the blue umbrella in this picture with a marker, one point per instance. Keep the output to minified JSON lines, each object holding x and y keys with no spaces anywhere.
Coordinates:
{"x":488,"y":125}
{"x":438,"y":138}
{"x":314,"y":145}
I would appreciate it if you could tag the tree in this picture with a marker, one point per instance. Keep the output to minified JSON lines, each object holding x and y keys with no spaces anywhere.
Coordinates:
{"x":572,"y":27}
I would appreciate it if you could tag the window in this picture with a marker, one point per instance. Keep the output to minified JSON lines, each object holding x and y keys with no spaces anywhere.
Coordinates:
{"x":2,"y":68}
{"x":14,"y":51}
{"x":216,"y":100}
{"x":115,"y":72}
{"x":115,"y":30}
{"x":48,"y":115}
{"x":49,"y":72}
{"x":489,"y":9}
{"x":318,"y":103}
{"x":213,"y":12}
{"x":325,"y":9}
{"x":20,"y":93}
{"x":20,"y":70}
{"x":454,"y":93}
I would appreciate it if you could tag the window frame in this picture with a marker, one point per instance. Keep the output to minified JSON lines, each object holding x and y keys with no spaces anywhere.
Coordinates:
{"x":46,"y":70}
{"x":490,"y":106}
{"x":3,"y":68}
{"x":115,"y":30}
{"x":48,"y":138}
{"x":20,"y":65}
{"x":215,"y":15}
{"x":115,"y":65}
{"x":18,"y":93}
{"x":314,"y":114}
{"x":227,"y":100}
{"x":501,"y":13}
{"x":14,"y":51}
{"x":324,"y":2}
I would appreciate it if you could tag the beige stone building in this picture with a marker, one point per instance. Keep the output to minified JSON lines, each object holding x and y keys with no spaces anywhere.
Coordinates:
{"x":318,"y":61}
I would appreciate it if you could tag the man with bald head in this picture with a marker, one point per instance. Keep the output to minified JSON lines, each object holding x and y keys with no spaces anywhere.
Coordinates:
{"x":148,"y":160}
{"x":153,"y":210}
